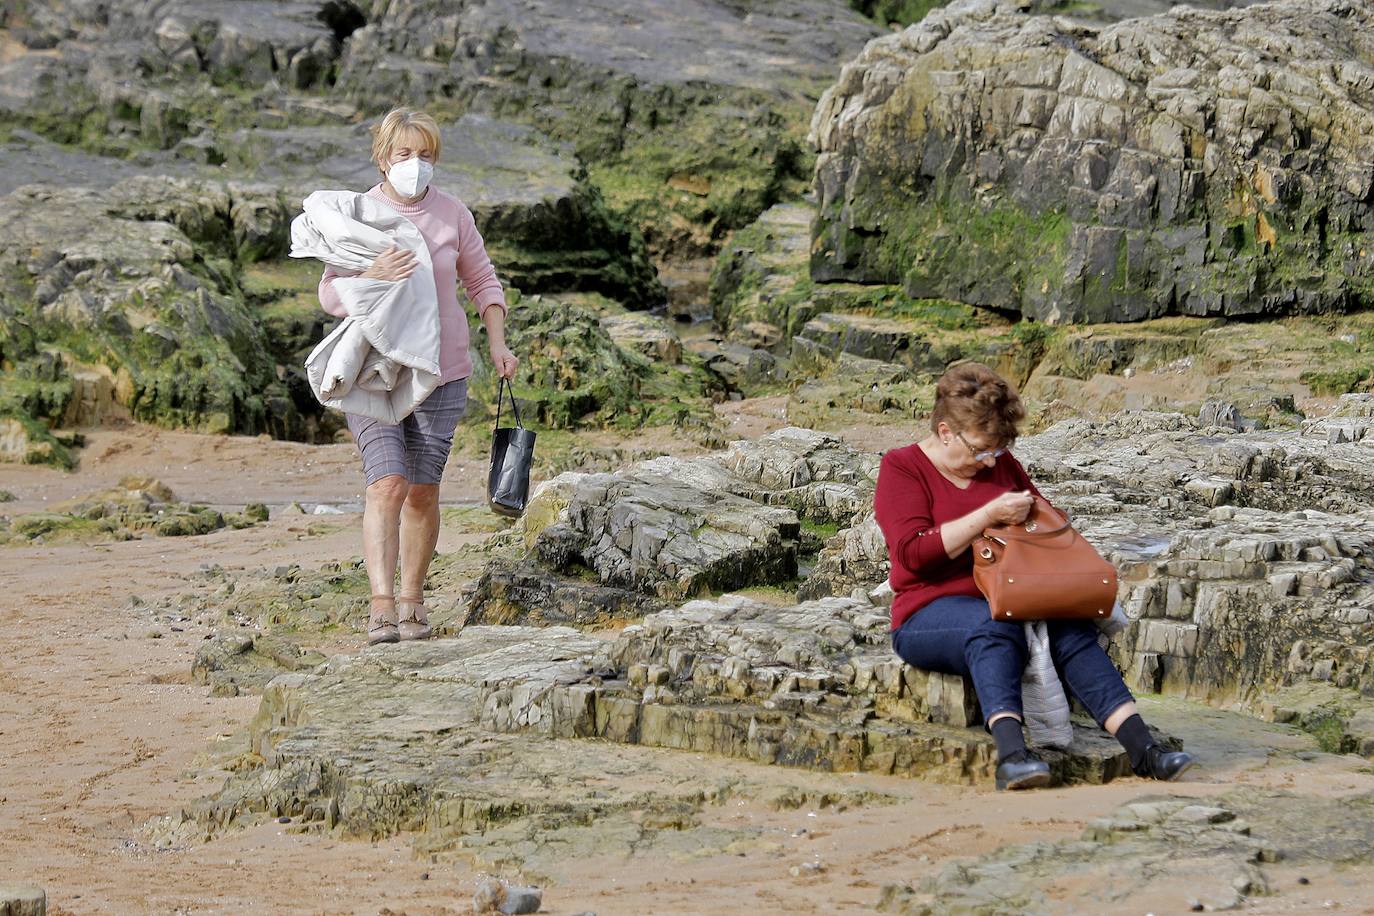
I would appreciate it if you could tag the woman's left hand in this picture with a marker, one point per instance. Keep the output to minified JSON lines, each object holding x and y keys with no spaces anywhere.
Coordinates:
{"x":504,"y":361}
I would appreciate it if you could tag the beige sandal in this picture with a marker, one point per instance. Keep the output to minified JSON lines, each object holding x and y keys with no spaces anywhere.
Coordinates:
{"x":414,"y":618}
{"x":381,"y":621}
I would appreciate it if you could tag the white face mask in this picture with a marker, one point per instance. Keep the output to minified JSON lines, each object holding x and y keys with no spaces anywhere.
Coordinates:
{"x":410,"y":176}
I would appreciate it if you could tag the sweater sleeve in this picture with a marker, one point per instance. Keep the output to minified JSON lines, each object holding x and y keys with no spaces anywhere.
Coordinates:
{"x":903,"y":506}
{"x":329,"y":297}
{"x":475,"y":270}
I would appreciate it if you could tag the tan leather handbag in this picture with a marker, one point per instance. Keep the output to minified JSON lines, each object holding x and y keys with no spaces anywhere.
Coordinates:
{"x":1042,"y":570}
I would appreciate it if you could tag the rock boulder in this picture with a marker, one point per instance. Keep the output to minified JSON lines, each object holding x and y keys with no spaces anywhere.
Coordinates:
{"x":1194,"y":162}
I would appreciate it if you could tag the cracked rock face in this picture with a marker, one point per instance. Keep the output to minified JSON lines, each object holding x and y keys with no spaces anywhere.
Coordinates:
{"x":669,"y":528}
{"x":1195,"y":162}
{"x":444,"y":739}
{"x":1224,"y":847}
{"x":118,"y":274}
{"x":1245,"y":557}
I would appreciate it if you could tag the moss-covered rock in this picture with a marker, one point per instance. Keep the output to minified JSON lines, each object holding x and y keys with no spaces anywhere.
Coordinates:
{"x":762,"y":297}
{"x":26,"y":441}
{"x":1072,"y":174}
{"x":137,"y":507}
{"x":851,"y":385}
{"x":692,"y":114}
{"x":113,"y":281}
{"x":573,"y":373}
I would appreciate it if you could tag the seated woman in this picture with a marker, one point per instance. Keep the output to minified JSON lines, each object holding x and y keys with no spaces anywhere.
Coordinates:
{"x":933,"y":499}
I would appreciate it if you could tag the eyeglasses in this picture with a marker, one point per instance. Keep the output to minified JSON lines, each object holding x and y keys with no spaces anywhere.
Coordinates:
{"x":983,"y":455}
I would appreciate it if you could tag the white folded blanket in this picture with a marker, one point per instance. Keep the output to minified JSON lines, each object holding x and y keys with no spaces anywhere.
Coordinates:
{"x":383,"y":360}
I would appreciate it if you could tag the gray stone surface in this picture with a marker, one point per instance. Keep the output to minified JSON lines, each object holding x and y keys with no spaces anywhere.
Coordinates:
{"x":657,"y":43}
{"x":1195,"y":162}
{"x":813,"y":685}
{"x":1223,"y":850}
{"x":235,"y":663}
{"x":22,"y":900}
{"x":444,"y":739}
{"x":737,"y":80}
{"x":599,"y":545}
{"x":393,"y":740}
{"x":1244,"y":556}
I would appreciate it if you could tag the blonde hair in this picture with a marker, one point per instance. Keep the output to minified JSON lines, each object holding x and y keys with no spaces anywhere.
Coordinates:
{"x":388,"y":132}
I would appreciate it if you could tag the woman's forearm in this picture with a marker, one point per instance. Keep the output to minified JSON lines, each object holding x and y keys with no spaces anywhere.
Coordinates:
{"x":495,"y":320}
{"x":958,"y":534}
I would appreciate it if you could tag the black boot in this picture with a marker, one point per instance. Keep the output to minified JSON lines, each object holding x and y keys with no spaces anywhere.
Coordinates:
{"x":1023,"y":770}
{"x":1165,"y":765}
{"x":1148,"y":758}
{"x":1017,"y":768}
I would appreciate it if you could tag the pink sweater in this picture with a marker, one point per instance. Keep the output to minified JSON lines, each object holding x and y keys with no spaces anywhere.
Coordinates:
{"x":456,"y":248}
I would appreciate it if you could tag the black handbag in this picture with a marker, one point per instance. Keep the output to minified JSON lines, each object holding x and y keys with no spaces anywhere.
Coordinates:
{"x":512,"y":454}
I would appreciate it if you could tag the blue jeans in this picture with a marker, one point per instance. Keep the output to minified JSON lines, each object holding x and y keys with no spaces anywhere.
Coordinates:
{"x":957,"y":635}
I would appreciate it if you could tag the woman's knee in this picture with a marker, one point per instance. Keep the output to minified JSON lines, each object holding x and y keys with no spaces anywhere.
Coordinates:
{"x":389,"y":492}
{"x":423,"y":496}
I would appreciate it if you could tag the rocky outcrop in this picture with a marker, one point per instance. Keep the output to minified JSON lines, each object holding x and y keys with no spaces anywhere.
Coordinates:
{"x":852,"y":383}
{"x":391,"y":741}
{"x":1243,"y":555}
{"x":444,"y":739}
{"x":137,"y":280}
{"x":905,"y":12}
{"x":1196,"y":163}
{"x":669,"y":528}
{"x":687,"y":110}
{"x":136,"y":297}
{"x":815,"y":685}
{"x":212,"y":120}
{"x":574,"y":372}
{"x":137,"y":507}
{"x":608,"y":78}
{"x":1225,"y":848}
{"x":23,"y":900}
{"x":231,"y":664}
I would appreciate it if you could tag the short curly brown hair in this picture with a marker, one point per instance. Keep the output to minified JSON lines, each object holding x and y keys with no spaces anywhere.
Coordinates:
{"x":970,"y":396}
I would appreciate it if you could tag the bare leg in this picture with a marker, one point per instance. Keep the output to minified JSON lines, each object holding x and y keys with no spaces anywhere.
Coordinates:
{"x":1119,"y":715}
{"x":381,"y":531}
{"x":419,"y":535}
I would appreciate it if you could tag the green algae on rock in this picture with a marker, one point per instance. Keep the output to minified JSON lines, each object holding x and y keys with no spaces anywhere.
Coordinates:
{"x":690,"y":114}
{"x":135,"y":508}
{"x":1107,"y":181}
{"x":573,"y":373}
{"x":86,"y":285}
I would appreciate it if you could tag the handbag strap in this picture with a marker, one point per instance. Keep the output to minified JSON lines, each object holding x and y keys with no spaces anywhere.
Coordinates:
{"x":501,"y":391}
{"x":1020,"y":532}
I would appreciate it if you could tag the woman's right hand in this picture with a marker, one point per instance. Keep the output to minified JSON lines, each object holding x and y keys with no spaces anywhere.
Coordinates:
{"x":395,"y":263}
{"x":1010,"y":508}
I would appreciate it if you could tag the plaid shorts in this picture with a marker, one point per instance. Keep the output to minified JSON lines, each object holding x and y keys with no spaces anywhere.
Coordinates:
{"x":416,"y":448}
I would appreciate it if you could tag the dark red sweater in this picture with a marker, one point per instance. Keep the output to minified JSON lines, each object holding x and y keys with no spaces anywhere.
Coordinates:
{"x":912,"y":501}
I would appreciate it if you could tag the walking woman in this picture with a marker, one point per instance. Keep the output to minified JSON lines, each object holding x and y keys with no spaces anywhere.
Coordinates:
{"x":403,"y":463}
{"x":933,"y":499}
